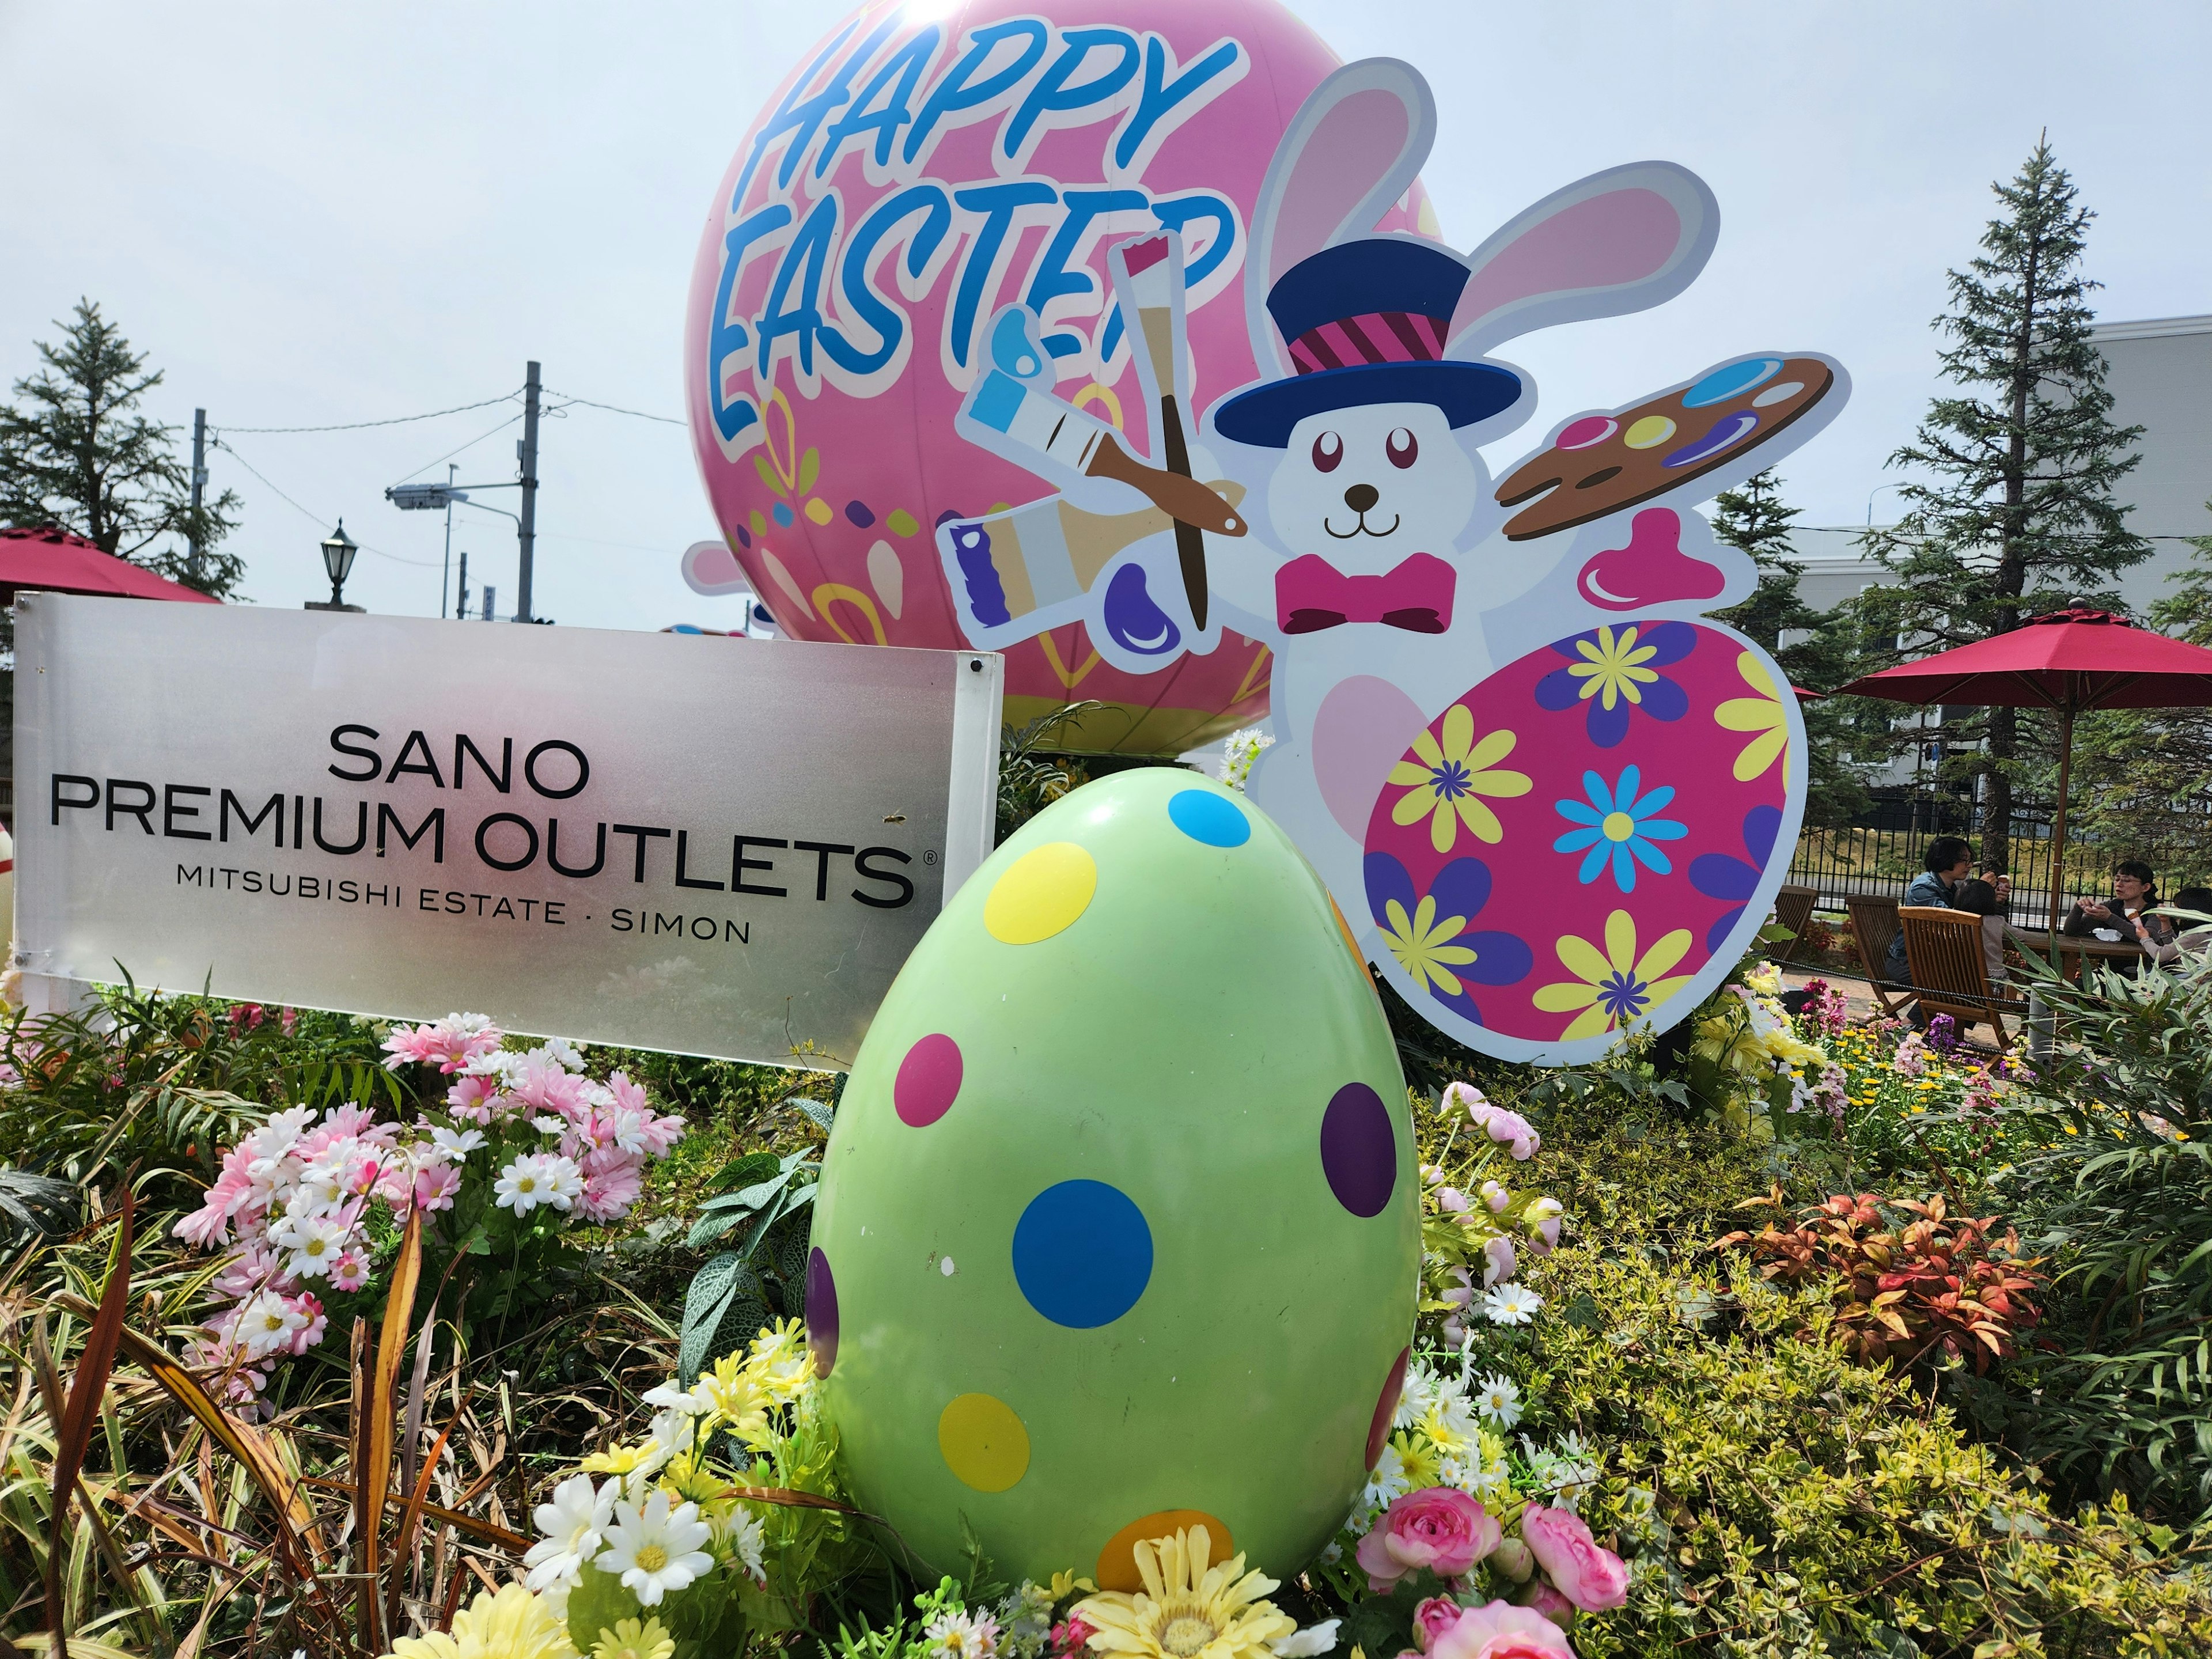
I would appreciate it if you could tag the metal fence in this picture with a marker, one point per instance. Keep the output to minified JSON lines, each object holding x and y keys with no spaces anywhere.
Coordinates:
{"x":1883,"y":855}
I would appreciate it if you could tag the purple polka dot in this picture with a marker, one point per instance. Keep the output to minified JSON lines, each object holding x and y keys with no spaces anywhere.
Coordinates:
{"x":859,"y":513}
{"x":1358,"y":1153}
{"x":744,"y":536}
{"x":928,"y":1081}
{"x":821,"y":1312}
{"x":948,"y":515}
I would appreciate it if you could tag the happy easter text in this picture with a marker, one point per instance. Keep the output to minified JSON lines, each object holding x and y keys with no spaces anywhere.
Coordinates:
{"x":1034,"y":77}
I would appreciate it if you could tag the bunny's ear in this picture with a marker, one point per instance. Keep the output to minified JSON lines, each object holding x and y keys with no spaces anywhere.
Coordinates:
{"x":1352,"y":150}
{"x":1618,"y":241}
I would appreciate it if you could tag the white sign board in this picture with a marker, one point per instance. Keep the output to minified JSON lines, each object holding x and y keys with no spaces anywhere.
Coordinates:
{"x":712,"y":846}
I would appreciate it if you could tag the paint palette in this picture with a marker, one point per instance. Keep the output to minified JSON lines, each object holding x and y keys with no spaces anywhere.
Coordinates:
{"x":1599,"y":464}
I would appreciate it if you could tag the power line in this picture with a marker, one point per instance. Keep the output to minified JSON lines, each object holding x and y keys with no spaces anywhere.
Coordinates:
{"x":397,"y":420}
{"x":311,"y":516}
{"x":471,"y":444}
{"x":613,"y":409}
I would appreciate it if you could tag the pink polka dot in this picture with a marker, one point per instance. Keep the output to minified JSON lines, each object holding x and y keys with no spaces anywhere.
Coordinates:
{"x":1590,"y":429}
{"x":928,"y":1081}
{"x":1386,"y":1407}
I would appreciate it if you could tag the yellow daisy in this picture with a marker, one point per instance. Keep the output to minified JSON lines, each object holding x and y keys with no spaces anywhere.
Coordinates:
{"x":512,"y":1625}
{"x":1615,"y":987}
{"x":1423,"y":945}
{"x":1762,"y":713}
{"x":1446,"y":780}
{"x":1186,"y":1610}
{"x":1611,"y":667}
{"x":630,"y":1640}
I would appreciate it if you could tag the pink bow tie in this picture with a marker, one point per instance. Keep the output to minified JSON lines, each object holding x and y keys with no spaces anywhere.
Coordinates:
{"x":1312,"y":594}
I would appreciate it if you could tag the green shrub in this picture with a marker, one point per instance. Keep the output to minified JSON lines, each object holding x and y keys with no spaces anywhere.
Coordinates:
{"x":2121,"y":1196}
{"x":1774,"y":1497}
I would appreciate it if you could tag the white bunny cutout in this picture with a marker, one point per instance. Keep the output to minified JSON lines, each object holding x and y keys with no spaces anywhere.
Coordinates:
{"x":1445,"y":645}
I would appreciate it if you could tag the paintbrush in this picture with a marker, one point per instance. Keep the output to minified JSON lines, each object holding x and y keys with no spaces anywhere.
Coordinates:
{"x":1068,"y":440}
{"x":1151,"y":284}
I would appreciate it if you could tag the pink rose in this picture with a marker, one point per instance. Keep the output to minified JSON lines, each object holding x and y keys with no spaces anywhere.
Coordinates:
{"x":1587,"y":1574}
{"x":1433,"y":1618}
{"x":1507,"y":1128}
{"x":1540,"y":1597}
{"x":1438,"y":1528}
{"x":1512,"y":1558}
{"x":1500,"y":1630}
{"x":1498,"y":1261}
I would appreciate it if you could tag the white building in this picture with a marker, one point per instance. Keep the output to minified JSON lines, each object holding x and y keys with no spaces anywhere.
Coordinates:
{"x":2159,"y":374}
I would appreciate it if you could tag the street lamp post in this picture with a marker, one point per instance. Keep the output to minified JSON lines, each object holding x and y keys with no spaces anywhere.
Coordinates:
{"x":338,"y":551}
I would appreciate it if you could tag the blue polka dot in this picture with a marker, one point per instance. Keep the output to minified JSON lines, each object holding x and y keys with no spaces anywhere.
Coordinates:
{"x":1204,"y":816}
{"x":782,"y":514}
{"x":1082,"y":1253}
{"x":1724,"y":383}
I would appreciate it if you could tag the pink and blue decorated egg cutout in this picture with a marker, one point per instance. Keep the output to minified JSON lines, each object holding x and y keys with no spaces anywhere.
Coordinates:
{"x":1580,"y":838}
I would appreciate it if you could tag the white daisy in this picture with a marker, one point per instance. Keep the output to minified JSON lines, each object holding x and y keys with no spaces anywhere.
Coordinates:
{"x":456,"y":1144}
{"x":316,"y":1241}
{"x":1415,"y":1398}
{"x":576,"y":1525}
{"x":963,"y":1635}
{"x":1310,"y":1643}
{"x":1386,"y":1482}
{"x":696,"y":1403}
{"x":1510,"y":1304}
{"x":654,"y":1550}
{"x":739,"y":1539}
{"x":265,"y":1324}
{"x":1499,"y":1399}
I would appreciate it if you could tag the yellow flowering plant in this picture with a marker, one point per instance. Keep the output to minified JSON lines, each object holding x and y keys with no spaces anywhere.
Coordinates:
{"x":725,"y":1519}
{"x":1746,"y":1059}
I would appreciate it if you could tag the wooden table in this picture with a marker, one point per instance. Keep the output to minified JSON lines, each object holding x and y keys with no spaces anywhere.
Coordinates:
{"x":2075,"y":955}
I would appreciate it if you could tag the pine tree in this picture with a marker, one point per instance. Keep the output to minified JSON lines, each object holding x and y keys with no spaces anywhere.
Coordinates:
{"x":1754,"y":519}
{"x":74,"y":452}
{"x":2011,"y":509}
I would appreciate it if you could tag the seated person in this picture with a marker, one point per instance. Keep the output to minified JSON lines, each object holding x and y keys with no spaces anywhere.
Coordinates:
{"x":1949,"y":862}
{"x":2135,"y":892}
{"x":2192,"y":939}
{"x":1986,"y":894}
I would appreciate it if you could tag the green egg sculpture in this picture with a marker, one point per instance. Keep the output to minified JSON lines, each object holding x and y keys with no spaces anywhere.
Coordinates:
{"x":1119,"y":1226}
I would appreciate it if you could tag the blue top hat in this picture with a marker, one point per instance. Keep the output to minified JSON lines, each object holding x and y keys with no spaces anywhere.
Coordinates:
{"x":1366,"y":321}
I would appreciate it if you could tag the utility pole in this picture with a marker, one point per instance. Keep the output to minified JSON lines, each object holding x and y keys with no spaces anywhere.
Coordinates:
{"x":444,"y":576}
{"x":529,"y":522}
{"x":461,"y":599}
{"x":199,"y":485}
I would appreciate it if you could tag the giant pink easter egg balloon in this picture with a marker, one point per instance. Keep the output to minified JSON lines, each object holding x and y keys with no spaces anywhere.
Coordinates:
{"x":923,"y":166}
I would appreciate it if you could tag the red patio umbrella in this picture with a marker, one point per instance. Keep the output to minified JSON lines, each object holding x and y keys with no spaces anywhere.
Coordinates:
{"x":2068,"y":662}
{"x":55,"y":561}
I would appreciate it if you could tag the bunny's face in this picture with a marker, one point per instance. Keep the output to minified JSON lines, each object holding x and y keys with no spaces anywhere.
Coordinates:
{"x":1368,"y":487}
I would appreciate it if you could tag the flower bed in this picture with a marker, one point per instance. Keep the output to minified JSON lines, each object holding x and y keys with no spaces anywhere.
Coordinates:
{"x":1633,"y":1419}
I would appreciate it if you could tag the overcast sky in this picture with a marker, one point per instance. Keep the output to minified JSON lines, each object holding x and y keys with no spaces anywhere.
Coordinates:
{"x":318,"y":214}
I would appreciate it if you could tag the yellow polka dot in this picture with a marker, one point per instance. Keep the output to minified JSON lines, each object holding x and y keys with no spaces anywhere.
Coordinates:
{"x":1651,"y":429}
{"x":1040,"y":894}
{"x":818,"y":510}
{"x":902,"y":522}
{"x":983,"y":1442}
{"x":1117,"y":1562}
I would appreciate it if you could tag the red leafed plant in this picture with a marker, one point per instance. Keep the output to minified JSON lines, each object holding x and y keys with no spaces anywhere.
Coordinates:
{"x":1911,"y":1281}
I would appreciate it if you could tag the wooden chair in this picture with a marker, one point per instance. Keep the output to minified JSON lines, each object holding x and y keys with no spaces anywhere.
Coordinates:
{"x":1874,"y":925}
{"x":1793,"y":908}
{"x":1950,"y":972}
